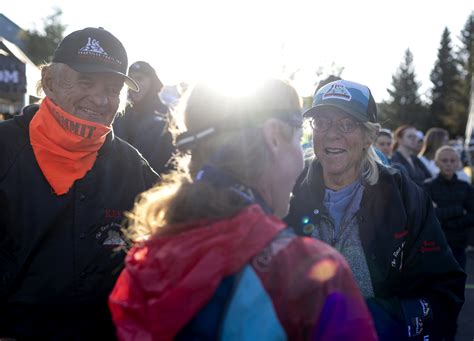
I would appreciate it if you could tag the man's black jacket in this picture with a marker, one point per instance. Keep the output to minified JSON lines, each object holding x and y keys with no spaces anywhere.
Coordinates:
{"x":57,"y":258}
{"x":147,"y":128}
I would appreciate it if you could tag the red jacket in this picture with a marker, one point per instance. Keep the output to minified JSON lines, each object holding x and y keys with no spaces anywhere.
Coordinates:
{"x":168,"y":280}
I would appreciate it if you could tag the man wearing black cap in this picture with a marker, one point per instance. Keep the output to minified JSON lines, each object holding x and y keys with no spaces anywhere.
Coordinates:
{"x":381,"y":222}
{"x":65,"y":181}
{"x":145,"y":124}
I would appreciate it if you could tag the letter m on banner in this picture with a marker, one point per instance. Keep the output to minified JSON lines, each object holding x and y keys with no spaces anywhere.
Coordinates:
{"x":9,"y":76}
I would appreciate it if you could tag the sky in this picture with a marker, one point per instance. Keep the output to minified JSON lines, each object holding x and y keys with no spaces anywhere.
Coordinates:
{"x":250,"y":39}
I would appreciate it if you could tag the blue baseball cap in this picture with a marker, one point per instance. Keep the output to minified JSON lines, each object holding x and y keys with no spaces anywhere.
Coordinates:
{"x":353,"y":98}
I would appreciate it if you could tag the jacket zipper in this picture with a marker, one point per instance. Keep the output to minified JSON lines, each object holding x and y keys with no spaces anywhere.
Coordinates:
{"x":333,"y":229}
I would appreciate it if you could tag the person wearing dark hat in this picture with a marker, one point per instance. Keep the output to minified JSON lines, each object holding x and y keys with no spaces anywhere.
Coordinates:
{"x":146,"y":121}
{"x":377,"y":218}
{"x":65,"y":181}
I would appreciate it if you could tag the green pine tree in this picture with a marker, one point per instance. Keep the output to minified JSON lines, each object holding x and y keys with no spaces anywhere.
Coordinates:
{"x":404,"y":105}
{"x":40,"y":46}
{"x":466,"y":58}
{"x":446,"y":94}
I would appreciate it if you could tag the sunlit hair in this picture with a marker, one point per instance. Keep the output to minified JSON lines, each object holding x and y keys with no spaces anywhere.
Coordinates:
{"x":446,"y":148}
{"x":370,"y":159}
{"x":39,"y":85}
{"x":398,"y":134}
{"x":57,"y":69}
{"x":433,"y":141}
{"x":239,"y":152}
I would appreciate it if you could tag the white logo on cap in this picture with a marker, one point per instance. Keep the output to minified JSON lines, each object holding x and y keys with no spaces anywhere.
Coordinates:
{"x":92,"y":47}
{"x":338,"y":91}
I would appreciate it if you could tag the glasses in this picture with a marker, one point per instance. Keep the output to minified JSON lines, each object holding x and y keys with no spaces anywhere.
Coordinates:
{"x":344,"y":125}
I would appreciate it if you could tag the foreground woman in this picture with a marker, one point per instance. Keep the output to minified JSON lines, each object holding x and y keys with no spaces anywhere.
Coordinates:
{"x":219,"y":263}
{"x":378,"y":219}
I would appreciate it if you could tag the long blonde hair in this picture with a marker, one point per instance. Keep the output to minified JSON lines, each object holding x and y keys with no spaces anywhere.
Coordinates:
{"x":370,"y":159}
{"x":238,"y":150}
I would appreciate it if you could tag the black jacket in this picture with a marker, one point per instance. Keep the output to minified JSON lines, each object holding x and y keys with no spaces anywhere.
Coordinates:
{"x":418,"y":174}
{"x":405,"y":249}
{"x":146,"y":127}
{"x":454,"y":201}
{"x":57,"y":258}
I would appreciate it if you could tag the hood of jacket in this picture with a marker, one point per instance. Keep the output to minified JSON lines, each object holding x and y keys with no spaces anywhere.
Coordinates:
{"x":167,"y":280}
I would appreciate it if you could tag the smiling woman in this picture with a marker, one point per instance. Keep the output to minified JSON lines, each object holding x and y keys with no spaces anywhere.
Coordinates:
{"x":377,"y":218}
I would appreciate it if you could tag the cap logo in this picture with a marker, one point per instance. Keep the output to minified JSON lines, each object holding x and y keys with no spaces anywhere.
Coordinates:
{"x":337,"y":91}
{"x":93,"y":49}
{"x":92,"y":46}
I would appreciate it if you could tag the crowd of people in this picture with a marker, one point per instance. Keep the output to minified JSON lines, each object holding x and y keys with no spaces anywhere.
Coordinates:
{"x":134,"y":226}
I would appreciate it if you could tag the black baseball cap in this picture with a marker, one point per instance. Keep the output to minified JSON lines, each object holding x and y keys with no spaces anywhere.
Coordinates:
{"x":147,"y":70}
{"x":94,"y":50}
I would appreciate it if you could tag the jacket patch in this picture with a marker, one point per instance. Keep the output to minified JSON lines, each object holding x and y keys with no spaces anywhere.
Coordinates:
{"x":400,"y":234}
{"x":429,"y":246}
{"x":113,"y":239}
{"x":110,"y":235}
{"x":398,"y":257}
{"x":110,"y":213}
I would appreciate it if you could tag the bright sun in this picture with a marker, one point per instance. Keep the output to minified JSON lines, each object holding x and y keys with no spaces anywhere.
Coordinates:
{"x":233,"y":49}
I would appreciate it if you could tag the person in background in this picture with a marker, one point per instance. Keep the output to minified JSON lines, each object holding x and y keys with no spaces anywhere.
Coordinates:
{"x":404,"y":154}
{"x":146,"y":121}
{"x":419,"y":141}
{"x":384,"y":142}
{"x":436,"y":138}
{"x":454,"y":201}
{"x":218,"y":262}
{"x":464,"y":162}
{"x":65,"y":181}
{"x":377,"y":218}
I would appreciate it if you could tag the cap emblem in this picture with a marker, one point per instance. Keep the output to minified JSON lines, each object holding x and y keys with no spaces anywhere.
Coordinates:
{"x":93,"y":49}
{"x":92,"y":46}
{"x":337,"y":91}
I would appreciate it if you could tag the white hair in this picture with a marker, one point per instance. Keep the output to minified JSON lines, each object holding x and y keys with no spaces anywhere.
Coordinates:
{"x":57,"y":68}
{"x":370,"y":170}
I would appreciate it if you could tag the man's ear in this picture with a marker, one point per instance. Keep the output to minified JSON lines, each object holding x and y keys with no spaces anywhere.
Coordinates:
{"x":272,"y":136}
{"x":47,"y":81}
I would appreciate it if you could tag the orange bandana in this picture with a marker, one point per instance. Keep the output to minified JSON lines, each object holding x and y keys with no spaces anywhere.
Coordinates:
{"x":65,"y":146}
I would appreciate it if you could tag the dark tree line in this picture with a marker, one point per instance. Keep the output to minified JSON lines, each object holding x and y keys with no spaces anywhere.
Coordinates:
{"x":40,"y":45}
{"x":450,"y":92}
